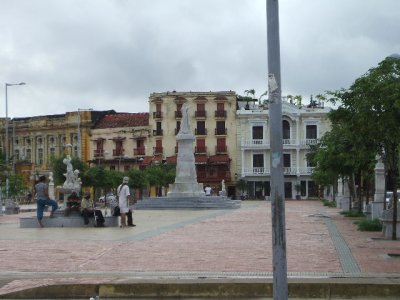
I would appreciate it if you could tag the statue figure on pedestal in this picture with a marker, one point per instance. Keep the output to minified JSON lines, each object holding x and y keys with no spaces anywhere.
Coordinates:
{"x":185,"y":127}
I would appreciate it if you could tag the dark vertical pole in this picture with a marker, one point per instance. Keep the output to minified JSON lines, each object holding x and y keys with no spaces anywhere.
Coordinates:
{"x":280,"y":285}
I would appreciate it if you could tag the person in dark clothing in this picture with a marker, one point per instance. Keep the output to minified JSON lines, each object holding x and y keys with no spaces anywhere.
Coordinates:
{"x":73,"y":203}
{"x":88,"y":211}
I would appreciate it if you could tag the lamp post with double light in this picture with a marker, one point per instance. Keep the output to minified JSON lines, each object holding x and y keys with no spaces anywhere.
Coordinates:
{"x":6,"y":128}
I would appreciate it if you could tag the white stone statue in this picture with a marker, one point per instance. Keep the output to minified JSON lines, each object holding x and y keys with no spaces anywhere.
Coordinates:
{"x":185,"y":127}
{"x":72,"y":180}
{"x":51,"y":186}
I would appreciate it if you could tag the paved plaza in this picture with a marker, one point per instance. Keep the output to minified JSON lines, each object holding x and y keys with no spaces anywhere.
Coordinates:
{"x":233,"y":244}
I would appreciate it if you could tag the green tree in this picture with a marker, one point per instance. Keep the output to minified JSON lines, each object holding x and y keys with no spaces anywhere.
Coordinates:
{"x":373,"y":102}
{"x":137,"y":179}
{"x":160,"y":175}
{"x":95,"y":177}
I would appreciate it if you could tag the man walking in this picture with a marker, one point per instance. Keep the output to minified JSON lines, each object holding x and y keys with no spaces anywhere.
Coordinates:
{"x":124,"y":196}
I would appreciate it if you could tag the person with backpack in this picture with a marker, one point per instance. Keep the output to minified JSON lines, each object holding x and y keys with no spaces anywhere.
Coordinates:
{"x":124,"y":196}
{"x":88,"y":210}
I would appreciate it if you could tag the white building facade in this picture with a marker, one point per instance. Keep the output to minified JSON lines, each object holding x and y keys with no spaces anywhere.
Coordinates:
{"x":301,"y":127}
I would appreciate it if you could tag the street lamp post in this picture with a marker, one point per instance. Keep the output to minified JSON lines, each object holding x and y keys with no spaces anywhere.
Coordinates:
{"x":6,"y":135}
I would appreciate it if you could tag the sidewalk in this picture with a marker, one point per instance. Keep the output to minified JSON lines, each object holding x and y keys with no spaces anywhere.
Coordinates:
{"x":193,"y":246}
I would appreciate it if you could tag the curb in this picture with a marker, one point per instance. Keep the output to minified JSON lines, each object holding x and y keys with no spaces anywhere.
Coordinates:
{"x":332,"y":288}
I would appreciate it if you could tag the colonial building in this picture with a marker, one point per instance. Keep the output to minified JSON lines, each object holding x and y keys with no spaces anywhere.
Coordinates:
{"x":212,"y":120}
{"x":32,"y":141}
{"x":118,"y":141}
{"x":301,"y":125}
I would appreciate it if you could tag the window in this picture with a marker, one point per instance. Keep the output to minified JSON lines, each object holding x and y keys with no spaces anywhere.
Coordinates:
{"x":311,"y":132}
{"x":40,"y":156}
{"x":28,"y":155}
{"x":258,"y":160}
{"x":52,"y":152}
{"x":119,"y":150}
{"x":201,"y":110}
{"x":200,"y":146}
{"x":258,"y":132}
{"x":221,"y":145}
{"x":286,"y":130}
{"x":201,"y":128}
{"x":16,"y":153}
{"x":220,"y":127}
{"x":159,"y":148}
{"x":286,"y":160}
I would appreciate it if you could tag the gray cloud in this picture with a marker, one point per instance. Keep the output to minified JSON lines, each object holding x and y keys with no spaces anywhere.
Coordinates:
{"x":105,"y":54}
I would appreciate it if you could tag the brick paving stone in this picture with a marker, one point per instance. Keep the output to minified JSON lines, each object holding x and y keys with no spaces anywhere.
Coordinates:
{"x":194,"y":241}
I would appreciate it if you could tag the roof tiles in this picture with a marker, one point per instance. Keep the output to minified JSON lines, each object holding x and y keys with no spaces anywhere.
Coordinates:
{"x":123,"y":120}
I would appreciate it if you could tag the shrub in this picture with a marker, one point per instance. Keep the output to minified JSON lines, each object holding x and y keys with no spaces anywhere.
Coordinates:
{"x":352,"y":214}
{"x":329,"y":203}
{"x":369,"y":225}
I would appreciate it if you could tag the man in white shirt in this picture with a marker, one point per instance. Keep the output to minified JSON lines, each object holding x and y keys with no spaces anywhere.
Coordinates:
{"x":124,"y":196}
{"x":208,"y":190}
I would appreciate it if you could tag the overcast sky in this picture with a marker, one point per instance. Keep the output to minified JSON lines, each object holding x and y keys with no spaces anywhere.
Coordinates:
{"x":112,"y":54}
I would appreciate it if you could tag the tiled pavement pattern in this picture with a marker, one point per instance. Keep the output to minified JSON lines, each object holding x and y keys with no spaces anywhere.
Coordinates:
{"x":194,"y":244}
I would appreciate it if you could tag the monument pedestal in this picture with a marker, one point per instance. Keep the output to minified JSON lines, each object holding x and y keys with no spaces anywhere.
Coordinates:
{"x":387,"y":223}
{"x":186,"y":192}
{"x":376,"y":209}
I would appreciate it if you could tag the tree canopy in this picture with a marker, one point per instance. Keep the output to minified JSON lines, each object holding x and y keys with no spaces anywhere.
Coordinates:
{"x":365,"y":124}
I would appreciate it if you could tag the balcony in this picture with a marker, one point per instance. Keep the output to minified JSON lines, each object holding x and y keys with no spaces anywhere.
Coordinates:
{"x":178,"y":114}
{"x":118,"y":152}
{"x":286,"y":171}
{"x":289,"y":142}
{"x":221,"y":149}
{"x":157,"y":150}
{"x":221,"y":131}
{"x":157,"y":115}
{"x":139,"y":151}
{"x":217,"y":177}
{"x":98,"y":153}
{"x":255,"y":143}
{"x":220,"y":113}
{"x":200,"y":150}
{"x":309,"y":142}
{"x":158,"y":132}
{"x":200,"y":114}
{"x":200,"y":131}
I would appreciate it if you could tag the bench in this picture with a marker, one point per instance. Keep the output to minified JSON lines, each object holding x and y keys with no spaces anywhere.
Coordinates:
{"x":60,"y":220}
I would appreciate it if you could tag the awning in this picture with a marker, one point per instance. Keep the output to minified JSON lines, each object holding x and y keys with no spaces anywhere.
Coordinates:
{"x":201,"y":159}
{"x":147,"y":160}
{"x":219,"y":159}
{"x":171,"y":160}
{"x":157,"y":159}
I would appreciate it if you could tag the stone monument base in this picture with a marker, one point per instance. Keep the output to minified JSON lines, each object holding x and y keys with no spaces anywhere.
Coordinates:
{"x":376,"y":209}
{"x":185,"y":190}
{"x":387,"y":223}
{"x":205,"y":202}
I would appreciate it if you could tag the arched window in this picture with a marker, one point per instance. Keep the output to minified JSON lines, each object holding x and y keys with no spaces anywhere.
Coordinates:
{"x":286,"y":130}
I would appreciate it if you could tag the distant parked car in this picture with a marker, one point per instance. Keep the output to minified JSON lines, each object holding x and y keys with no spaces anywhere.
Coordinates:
{"x":389,"y":198}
